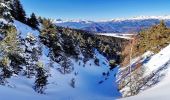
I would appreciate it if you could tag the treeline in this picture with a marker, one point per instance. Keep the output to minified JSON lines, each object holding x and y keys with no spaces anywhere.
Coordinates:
{"x":152,"y":39}
{"x":74,"y":41}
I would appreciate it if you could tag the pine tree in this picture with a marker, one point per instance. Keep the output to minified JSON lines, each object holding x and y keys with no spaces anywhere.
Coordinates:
{"x":49,"y":30}
{"x":32,"y":21}
{"x":9,"y":50}
{"x":41,"y":79}
{"x":69,"y":46}
{"x":5,"y":10}
{"x":66,"y":66}
{"x":50,"y":37}
{"x":10,"y":42}
{"x":5,"y":72}
{"x":32,"y":51}
{"x":17,"y":11}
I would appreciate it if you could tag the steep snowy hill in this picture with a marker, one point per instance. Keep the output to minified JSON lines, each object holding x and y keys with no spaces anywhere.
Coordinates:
{"x":160,"y":65}
{"x":42,"y":61}
{"x":92,"y":80}
{"x":127,"y":25}
{"x":90,"y":84}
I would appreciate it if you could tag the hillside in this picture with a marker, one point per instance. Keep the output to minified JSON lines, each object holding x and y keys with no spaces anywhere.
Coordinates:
{"x":148,"y":65}
{"x":51,"y":62}
{"x":40,"y":60}
{"x":159,"y":84}
{"x":88,"y":77}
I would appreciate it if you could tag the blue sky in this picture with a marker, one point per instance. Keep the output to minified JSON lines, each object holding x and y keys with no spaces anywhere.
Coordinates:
{"x":96,"y":9}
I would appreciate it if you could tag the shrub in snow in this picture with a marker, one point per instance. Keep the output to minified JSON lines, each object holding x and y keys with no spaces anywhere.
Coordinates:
{"x":5,"y":71}
{"x":96,"y":61}
{"x":72,"y":83}
{"x":112,"y":64}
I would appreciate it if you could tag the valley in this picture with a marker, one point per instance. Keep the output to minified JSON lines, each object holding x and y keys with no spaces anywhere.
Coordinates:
{"x":45,"y":58}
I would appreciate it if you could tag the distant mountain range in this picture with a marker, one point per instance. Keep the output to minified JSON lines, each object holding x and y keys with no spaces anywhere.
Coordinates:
{"x":122,"y":25}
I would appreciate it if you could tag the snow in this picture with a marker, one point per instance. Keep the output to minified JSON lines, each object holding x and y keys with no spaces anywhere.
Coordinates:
{"x":3,"y":4}
{"x":44,"y":57}
{"x":165,"y":17}
{"x":116,"y":35}
{"x":120,"y":25}
{"x":87,"y":85}
{"x":73,"y":20}
{"x":3,"y":21}
{"x":158,"y":60}
{"x":142,"y":59}
{"x":161,"y":89}
{"x":90,"y":84}
{"x":158,"y":92}
{"x":25,"y":29}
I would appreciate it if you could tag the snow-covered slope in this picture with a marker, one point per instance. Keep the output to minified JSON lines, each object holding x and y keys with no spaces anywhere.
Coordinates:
{"x":118,"y":35}
{"x":87,"y":85}
{"x":158,"y":92}
{"x":159,"y":64}
{"x":90,"y":81}
{"x":24,"y":29}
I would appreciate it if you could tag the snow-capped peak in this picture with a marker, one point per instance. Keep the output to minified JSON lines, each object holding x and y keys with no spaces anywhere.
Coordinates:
{"x":165,"y":17}
{"x":153,"y":17}
{"x":72,"y":20}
